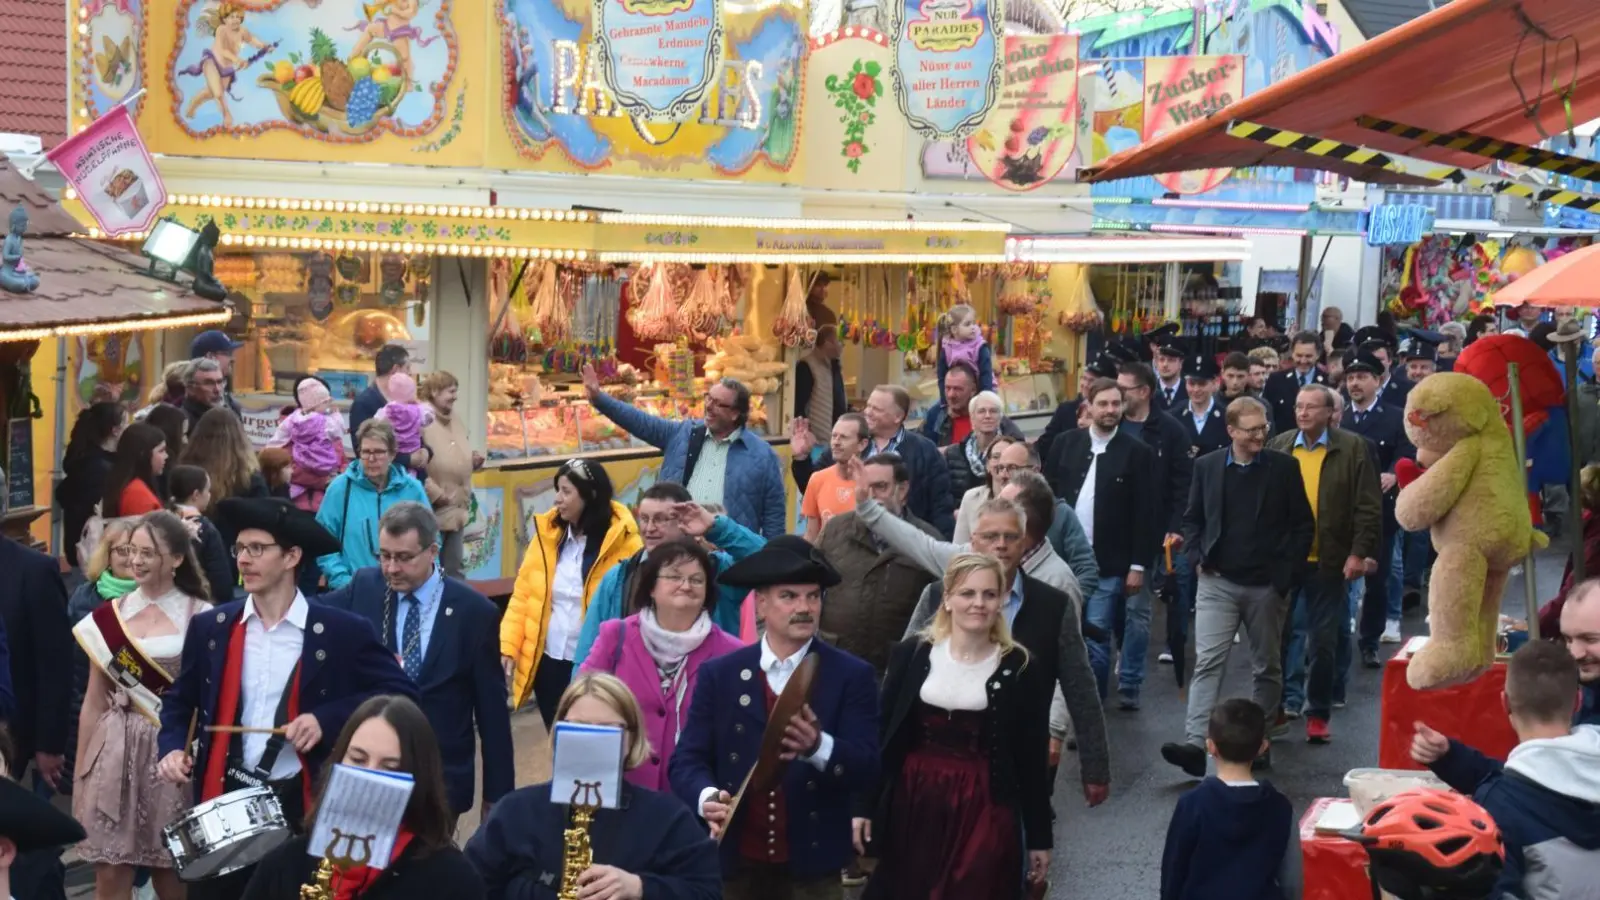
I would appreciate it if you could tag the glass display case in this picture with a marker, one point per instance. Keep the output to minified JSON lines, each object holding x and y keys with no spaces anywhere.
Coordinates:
{"x":324,"y":314}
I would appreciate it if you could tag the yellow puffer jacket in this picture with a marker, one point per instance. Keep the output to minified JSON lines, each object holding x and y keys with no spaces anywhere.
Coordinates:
{"x":527,"y":618}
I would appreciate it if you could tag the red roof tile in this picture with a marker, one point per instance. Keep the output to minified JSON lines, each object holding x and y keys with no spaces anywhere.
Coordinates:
{"x":33,"y":68}
{"x":82,"y":281}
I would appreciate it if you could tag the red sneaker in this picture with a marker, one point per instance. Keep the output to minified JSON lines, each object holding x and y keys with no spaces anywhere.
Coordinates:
{"x":1317,"y":731}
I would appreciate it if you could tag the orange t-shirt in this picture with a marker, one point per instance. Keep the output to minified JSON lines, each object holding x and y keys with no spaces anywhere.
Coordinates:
{"x":828,"y":494}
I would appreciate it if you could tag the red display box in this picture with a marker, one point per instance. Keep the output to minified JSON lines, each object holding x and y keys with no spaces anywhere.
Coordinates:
{"x":1333,"y":867}
{"x":1471,"y":713}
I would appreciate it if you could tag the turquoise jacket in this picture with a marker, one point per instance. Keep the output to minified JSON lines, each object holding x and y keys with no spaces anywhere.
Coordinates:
{"x":350,"y":511}
{"x":736,"y":542}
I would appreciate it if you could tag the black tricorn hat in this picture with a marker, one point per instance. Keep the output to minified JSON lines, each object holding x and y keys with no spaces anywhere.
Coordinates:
{"x":786,"y":559}
{"x":288,"y":524}
{"x":31,"y":822}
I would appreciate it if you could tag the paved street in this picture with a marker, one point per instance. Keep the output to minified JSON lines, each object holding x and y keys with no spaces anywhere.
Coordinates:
{"x":1115,"y":851}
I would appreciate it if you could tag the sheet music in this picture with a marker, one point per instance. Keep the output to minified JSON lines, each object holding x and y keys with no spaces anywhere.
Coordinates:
{"x":360,"y":815}
{"x":588,"y":755}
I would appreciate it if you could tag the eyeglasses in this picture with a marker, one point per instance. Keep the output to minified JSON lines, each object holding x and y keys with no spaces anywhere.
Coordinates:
{"x":374,"y":453}
{"x":694,"y":581}
{"x":1011,"y":470}
{"x":664,"y":520}
{"x":403,"y":559}
{"x":1258,"y":431}
{"x":714,"y":403}
{"x":251,"y":550}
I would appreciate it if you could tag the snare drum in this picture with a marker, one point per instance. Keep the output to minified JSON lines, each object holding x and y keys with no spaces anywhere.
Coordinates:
{"x":226,"y":834}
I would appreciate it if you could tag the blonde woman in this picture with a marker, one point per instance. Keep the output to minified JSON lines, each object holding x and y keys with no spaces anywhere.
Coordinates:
{"x":652,"y":838}
{"x":134,"y":644}
{"x":966,"y":734}
{"x":451,"y":462}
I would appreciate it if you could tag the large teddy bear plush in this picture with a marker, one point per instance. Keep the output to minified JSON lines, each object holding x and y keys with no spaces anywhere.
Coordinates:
{"x":1472,"y":494}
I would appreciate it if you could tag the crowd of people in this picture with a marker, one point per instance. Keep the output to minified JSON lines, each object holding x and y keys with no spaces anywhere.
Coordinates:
{"x":961,"y":603}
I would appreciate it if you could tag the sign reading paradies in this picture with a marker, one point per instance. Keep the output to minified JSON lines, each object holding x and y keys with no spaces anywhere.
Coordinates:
{"x":1180,"y":89}
{"x":947,"y":63}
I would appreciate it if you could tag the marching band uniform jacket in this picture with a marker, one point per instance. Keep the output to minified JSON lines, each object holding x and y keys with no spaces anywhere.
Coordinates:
{"x":722,"y":741}
{"x":342,"y":664}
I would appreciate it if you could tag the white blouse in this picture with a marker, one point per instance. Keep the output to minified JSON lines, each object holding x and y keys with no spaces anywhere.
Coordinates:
{"x":956,"y":685}
{"x":566,"y":600}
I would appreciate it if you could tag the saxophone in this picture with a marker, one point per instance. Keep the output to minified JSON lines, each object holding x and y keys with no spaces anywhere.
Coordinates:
{"x":321,"y":885}
{"x":578,"y":855}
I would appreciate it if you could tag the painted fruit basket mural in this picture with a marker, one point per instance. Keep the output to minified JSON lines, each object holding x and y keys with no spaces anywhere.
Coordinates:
{"x":334,"y":95}
{"x":345,"y":71}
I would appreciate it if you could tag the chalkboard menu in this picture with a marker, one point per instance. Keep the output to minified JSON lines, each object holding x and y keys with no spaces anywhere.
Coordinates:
{"x":19,"y":463}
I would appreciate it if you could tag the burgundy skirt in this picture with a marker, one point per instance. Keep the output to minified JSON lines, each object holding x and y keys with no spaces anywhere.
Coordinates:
{"x":945,"y":838}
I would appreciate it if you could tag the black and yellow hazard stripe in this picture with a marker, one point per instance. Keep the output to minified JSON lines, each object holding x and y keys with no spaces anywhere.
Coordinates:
{"x":1310,"y":144}
{"x":1489,"y":148}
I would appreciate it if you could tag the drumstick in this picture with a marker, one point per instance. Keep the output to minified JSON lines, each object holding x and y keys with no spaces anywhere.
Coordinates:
{"x":188,"y":742}
{"x":241,"y":729}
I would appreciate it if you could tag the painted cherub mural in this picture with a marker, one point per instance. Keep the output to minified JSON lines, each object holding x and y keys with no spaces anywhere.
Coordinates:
{"x":390,"y":20}
{"x":221,"y":63}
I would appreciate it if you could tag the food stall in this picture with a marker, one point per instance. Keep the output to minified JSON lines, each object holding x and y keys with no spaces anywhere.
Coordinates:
{"x":77,"y":308}
{"x":508,"y":191}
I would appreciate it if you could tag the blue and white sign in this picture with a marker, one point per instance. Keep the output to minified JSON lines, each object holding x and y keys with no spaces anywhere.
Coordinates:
{"x":660,"y":56}
{"x":948,"y":56}
{"x":1398,"y":223}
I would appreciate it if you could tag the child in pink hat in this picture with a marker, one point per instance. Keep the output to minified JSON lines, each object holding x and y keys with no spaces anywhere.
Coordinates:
{"x":314,"y":433}
{"x":408,"y":418}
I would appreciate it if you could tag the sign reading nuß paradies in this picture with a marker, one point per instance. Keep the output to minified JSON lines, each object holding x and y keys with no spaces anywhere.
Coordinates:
{"x":660,"y":56}
{"x":947,"y":63}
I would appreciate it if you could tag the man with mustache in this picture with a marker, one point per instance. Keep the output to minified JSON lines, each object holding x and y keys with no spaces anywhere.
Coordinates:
{"x":790,"y":840}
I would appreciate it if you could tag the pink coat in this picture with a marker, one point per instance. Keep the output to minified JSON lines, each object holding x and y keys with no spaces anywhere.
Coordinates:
{"x":635,"y":667}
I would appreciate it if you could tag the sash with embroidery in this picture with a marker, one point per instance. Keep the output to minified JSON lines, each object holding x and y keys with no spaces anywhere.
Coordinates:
{"x":104,"y":637}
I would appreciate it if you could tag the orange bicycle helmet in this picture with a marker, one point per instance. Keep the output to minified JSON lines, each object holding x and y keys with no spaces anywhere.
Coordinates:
{"x":1429,"y":844}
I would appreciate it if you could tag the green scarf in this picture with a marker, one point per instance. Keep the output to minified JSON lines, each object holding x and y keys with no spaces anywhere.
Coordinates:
{"x":113,"y":588}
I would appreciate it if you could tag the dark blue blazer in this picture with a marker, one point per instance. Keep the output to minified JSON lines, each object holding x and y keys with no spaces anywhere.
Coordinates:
{"x":342,"y":664}
{"x":722,"y":740}
{"x":8,"y":700}
{"x":519,"y":849}
{"x":461,"y":681}
{"x":1214,"y":436}
{"x":33,"y":608}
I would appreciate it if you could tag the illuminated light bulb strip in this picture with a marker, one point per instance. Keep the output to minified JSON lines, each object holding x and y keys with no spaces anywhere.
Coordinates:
{"x":278,"y":242}
{"x":850,"y":31}
{"x":136,"y":324}
{"x":275,"y":242}
{"x":1233,"y":204}
{"x":363,"y":207}
{"x":1126,"y":249}
{"x":667,"y":221}
{"x":800,"y":258}
{"x":1227,"y":229}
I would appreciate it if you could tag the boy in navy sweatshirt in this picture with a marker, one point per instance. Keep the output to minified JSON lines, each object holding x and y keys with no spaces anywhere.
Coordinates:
{"x":1232,"y":838}
{"x":1546,"y":795}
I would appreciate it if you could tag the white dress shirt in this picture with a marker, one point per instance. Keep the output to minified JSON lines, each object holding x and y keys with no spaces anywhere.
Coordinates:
{"x":566,"y":601}
{"x":427,"y":597}
{"x":270,"y":658}
{"x":1085,"y":505}
{"x":778,"y":672}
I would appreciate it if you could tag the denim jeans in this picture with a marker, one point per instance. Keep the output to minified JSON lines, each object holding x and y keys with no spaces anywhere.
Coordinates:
{"x":1419,"y":549}
{"x":1105,"y":609}
{"x":1397,"y":574}
{"x":1377,"y":599}
{"x":1295,"y":656}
